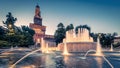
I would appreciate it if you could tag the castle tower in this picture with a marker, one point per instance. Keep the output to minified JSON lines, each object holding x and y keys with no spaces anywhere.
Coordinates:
{"x":37,"y":26}
{"x":37,"y":17}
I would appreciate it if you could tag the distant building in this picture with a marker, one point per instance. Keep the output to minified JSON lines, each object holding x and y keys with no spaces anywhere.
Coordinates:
{"x":116,"y":39}
{"x":40,"y":29}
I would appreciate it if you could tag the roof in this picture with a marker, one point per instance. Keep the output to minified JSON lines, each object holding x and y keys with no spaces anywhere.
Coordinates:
{"x":117,"y":37}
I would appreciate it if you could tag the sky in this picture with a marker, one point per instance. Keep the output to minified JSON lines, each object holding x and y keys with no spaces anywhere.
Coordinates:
{"x":103,"y":16}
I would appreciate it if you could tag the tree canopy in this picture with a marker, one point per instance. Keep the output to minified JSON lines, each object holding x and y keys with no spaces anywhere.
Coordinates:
{"x":59,"y":33}
{"x":69,"y":27}
{"x":9,"y":23}
{"x":82,"y":27}
{"x":22,"y":36}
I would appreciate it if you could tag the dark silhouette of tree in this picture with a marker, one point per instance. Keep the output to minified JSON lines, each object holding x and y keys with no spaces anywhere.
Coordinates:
{"x":2,"y":31}
{"x":16,"y":36}
{"x":69,"y":27}
{"x":106,"y":39}
{"x":81,"y":27}
{"x":115,"y":34}
{"x":26,"y":29}
{"x":59,"y":33}
{"x":9,"y":23}
{"x":94,"y":36}
{"x":60,"y":25}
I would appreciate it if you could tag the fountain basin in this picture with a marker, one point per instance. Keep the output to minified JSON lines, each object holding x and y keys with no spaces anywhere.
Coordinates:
{"x":78,"y":46}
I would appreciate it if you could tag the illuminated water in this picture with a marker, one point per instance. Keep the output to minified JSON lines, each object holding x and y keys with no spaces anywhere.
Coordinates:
{"x":111,"y":49}
{"x":65,"y":52}
{"x":57,"y":60}
{"x":98,"y":49}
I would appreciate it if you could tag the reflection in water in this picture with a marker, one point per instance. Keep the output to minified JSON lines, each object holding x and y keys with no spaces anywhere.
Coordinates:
{"x":38,"y":60}
{"x":49,"y":62}
{"x":111,"y":49}
{"x":35,"y":61}
{"x":24,"y":57}
{"x":74,"y":62}
{"x":59,"y":62}
{"x":99,"y":61}
{"x":29,"y":66}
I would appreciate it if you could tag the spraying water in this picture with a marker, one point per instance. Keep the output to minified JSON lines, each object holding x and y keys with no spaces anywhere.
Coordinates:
{"x":47,"y":48}
{"x":24,"y":57}
{"x":111,"y":49}
{"x":88,"y":52}
{"x":11,"y":48}
{"x":65,"y":49}
{"x":98,"y":49}
{"x":101,"y":55}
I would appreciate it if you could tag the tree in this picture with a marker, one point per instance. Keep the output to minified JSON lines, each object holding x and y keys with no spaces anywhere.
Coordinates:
{"x":94,"y":36}
{"x":69,"y":27}
{"x":16,"y":36}
{"x":114,"y":34}
{"x":59,"y":33}
{"x":81,"y":27}
{"x":2,"y":31}
{"x":27,"y":29}
{"x":9,"y":23}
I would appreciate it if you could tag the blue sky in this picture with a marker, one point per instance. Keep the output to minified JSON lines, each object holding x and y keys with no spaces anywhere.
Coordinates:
{"x":101,"y":15}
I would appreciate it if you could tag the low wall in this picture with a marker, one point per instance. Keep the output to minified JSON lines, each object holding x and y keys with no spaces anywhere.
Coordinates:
{"x":78,"y":46}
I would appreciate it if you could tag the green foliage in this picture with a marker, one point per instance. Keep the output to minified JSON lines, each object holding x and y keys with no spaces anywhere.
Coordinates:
{"x":105,"y":39}
{"x":26,"y":29}
{"x":59,"y":33}
{"x":82,"y":27}
{"x":2,"y":31}
{"x":15,"y":36}
{"x":9,"y":23}
{"x":60,"y":25}
{"x":22,"y":38}
{"x":94,"y":36}
{"x":3,"y":44}
{"x":69,"y":27}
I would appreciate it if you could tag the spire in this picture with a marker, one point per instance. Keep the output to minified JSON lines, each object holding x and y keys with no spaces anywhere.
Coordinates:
{"x":37,"y":17}
{"x":37,"y":11}
{"x":37,"y":6}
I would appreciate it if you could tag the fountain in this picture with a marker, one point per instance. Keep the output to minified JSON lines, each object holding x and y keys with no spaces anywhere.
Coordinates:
{"x":65,"y":52}
{"x":47,"y":51}
{"x":111,"y":49}
{"x":98,"y":53}
{"x":16,"y":47}
{"x":43,"y":45}
{"x":80,"y":42}
{"x":11,"y":48}
{"x":98,"y":49}
{"x":12,"y":66}
{"x":43,"y":49}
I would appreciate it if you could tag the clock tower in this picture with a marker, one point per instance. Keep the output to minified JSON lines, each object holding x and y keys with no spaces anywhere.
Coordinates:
{"x":37,"y":17}
{"x":37,"y":26}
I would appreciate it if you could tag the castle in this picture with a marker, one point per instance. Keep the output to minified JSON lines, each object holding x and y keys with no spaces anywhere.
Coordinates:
{"x":40,"y":30}
{"x":75,"y":42}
